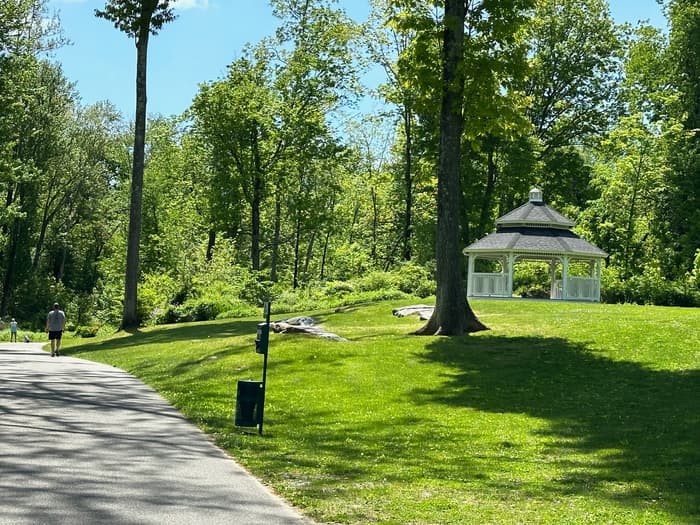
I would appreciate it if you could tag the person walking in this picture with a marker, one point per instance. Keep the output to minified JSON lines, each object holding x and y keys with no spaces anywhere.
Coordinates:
{"x":55,"y":325}
{"x":13,"y":331}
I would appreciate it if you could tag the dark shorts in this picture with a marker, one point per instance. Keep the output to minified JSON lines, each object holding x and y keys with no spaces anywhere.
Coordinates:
{"x":55,"y":334}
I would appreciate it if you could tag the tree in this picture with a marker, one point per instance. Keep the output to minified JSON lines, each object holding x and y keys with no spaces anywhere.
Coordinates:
{"x":575,"y":70}
{"x":682,"y":206}
{"x":239,"y":118}
{"x":138,"y":19}
{"x":33,"y":99}
{"x":388,"y":44}
{"x":452,"y":314}
{"x":266,"y":123}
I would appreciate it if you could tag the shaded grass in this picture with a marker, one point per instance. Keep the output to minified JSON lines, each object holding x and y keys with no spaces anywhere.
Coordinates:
{"x":562,"y":413}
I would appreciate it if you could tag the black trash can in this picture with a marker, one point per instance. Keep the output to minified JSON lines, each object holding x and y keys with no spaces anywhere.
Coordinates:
{"x":248,"y":403}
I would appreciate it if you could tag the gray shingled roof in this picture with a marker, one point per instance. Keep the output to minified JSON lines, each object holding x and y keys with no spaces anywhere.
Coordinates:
{"x":535,"y":213}
{"x":535,"y":228}
{"x":535,"y":240}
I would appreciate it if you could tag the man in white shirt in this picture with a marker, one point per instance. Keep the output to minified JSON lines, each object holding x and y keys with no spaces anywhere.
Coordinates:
{"x":13,"y":331}
{"x":55,"y":325}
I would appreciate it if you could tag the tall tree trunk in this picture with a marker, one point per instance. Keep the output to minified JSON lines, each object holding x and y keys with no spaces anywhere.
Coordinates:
{"x":452,"y":314}
{"x":629,"y":236}
{"x":309,"y":254}
{"x":491,"y":172}
{"x":408,"y":181}
{"x":10,"y":262}
{"x":276,"y":239}
{"x":211,"y":241}
{"x":256,"y":203}
{"x":130,"y":316}
{"x":375,"y":225}
{"x":326,"y":242}
{"x":297,"y":241}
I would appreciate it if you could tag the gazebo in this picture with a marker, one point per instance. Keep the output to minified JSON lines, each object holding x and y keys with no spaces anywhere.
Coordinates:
{"x":535,"y":232}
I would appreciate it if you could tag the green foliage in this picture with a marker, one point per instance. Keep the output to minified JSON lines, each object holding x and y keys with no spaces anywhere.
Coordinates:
{"x":337,"y":210}
{"x":531,"y":279}
{"x":648,"y":288}
{"x":414,"y":279}
{"x":155,"y":291}
{"x":135,"y":18}
{"x":87,"y":331}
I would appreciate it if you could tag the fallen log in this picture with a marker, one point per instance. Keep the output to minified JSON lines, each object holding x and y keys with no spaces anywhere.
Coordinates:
{"x":303,"y":325}
{"x":423,"y":311}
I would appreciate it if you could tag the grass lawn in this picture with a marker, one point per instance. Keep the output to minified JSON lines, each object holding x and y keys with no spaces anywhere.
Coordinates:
{"x":562,"y":413}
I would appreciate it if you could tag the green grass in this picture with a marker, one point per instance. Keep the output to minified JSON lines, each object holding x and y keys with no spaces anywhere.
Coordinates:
{"x":560,"y":414}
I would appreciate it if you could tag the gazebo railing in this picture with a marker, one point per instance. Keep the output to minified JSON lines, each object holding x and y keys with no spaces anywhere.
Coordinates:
{"x":583,"y":288}
{"x":489,"y":285}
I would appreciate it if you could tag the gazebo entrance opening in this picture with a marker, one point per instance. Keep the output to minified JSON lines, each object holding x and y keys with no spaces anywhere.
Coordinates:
{"x":534,"y":243}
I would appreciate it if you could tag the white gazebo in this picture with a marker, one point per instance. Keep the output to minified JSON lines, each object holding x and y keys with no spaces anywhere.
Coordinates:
{"x":535,"y":232}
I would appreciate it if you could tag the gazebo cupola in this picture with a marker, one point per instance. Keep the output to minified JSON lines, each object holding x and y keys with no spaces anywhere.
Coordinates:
{"x":535,"y":232}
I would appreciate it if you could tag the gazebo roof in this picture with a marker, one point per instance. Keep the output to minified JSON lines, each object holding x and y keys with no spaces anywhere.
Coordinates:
{"x":535,"y":213}
{"x":535,"y":228}
{"x":528,"y":240}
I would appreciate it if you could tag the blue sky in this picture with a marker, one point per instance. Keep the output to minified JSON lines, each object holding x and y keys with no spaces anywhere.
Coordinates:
{"x":207,"y":36}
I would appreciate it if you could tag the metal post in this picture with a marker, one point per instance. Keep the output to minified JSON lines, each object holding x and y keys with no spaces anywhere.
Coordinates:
{"x":266,"y":312}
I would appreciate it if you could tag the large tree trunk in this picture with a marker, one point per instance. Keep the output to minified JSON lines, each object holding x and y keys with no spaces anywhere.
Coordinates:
{"x":452,"y":314}
{"x":130,"y":316}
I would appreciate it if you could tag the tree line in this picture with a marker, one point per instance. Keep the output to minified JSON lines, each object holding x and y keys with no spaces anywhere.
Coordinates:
{"x":273,"y":182}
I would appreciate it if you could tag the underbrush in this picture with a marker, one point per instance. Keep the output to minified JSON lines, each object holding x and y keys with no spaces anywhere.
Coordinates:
{"x":244,"y":297}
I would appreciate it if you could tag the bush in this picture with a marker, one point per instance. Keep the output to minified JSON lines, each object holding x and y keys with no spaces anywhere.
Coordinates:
{"x":335,"y":288}
{"x":530,"y":279}
{"x":414,"y":279}
{"x":194,"y":310}
{"x":87,"y":331}
{"x":649,"y":288}
{"x":154,"y":293}
{"x":374,"y":281}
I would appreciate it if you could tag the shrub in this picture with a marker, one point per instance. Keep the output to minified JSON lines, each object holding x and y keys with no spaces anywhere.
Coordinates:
{"x":531,"y":278}
{"x":414,"y":279}
{"x":334,"y":288}
{"x":193,"y":310}
{"x":648,"y":288}
{"x":375,"y":281}
{"x":87,"y":331}
{"x":155,"y":292}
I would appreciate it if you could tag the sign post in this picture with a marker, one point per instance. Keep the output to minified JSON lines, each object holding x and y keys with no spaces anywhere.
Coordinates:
{"x":250,"y":396}
{"x":262,"y":342}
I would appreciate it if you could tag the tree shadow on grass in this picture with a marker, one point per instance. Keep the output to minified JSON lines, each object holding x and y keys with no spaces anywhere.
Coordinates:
{"x":172,"y":334}
{"x":643,"y":425}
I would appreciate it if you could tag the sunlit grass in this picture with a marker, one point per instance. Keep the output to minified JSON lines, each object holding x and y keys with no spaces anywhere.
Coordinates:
{"x":561,"y":413}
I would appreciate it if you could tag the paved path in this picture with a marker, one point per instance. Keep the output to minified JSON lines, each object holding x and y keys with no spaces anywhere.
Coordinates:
{"x":85,"y":443}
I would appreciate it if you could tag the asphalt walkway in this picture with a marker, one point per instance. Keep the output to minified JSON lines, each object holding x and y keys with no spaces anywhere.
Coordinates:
{"x":86,"y":443}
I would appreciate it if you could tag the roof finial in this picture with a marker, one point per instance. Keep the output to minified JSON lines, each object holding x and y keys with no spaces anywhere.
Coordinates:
{"x":536,"y":195}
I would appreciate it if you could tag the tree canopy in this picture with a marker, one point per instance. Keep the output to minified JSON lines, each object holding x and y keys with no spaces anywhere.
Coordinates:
{"x":273,"y":184}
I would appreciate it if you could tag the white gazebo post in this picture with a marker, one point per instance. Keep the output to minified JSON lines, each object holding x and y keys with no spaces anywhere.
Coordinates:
{"x":510,"y":261}
{"x":470,"y":275}
{"x":565,"y":277}
{"x":552,"y":278}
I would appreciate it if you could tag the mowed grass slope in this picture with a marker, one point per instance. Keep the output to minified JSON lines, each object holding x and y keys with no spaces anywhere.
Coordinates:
{"x":561,"y":413}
